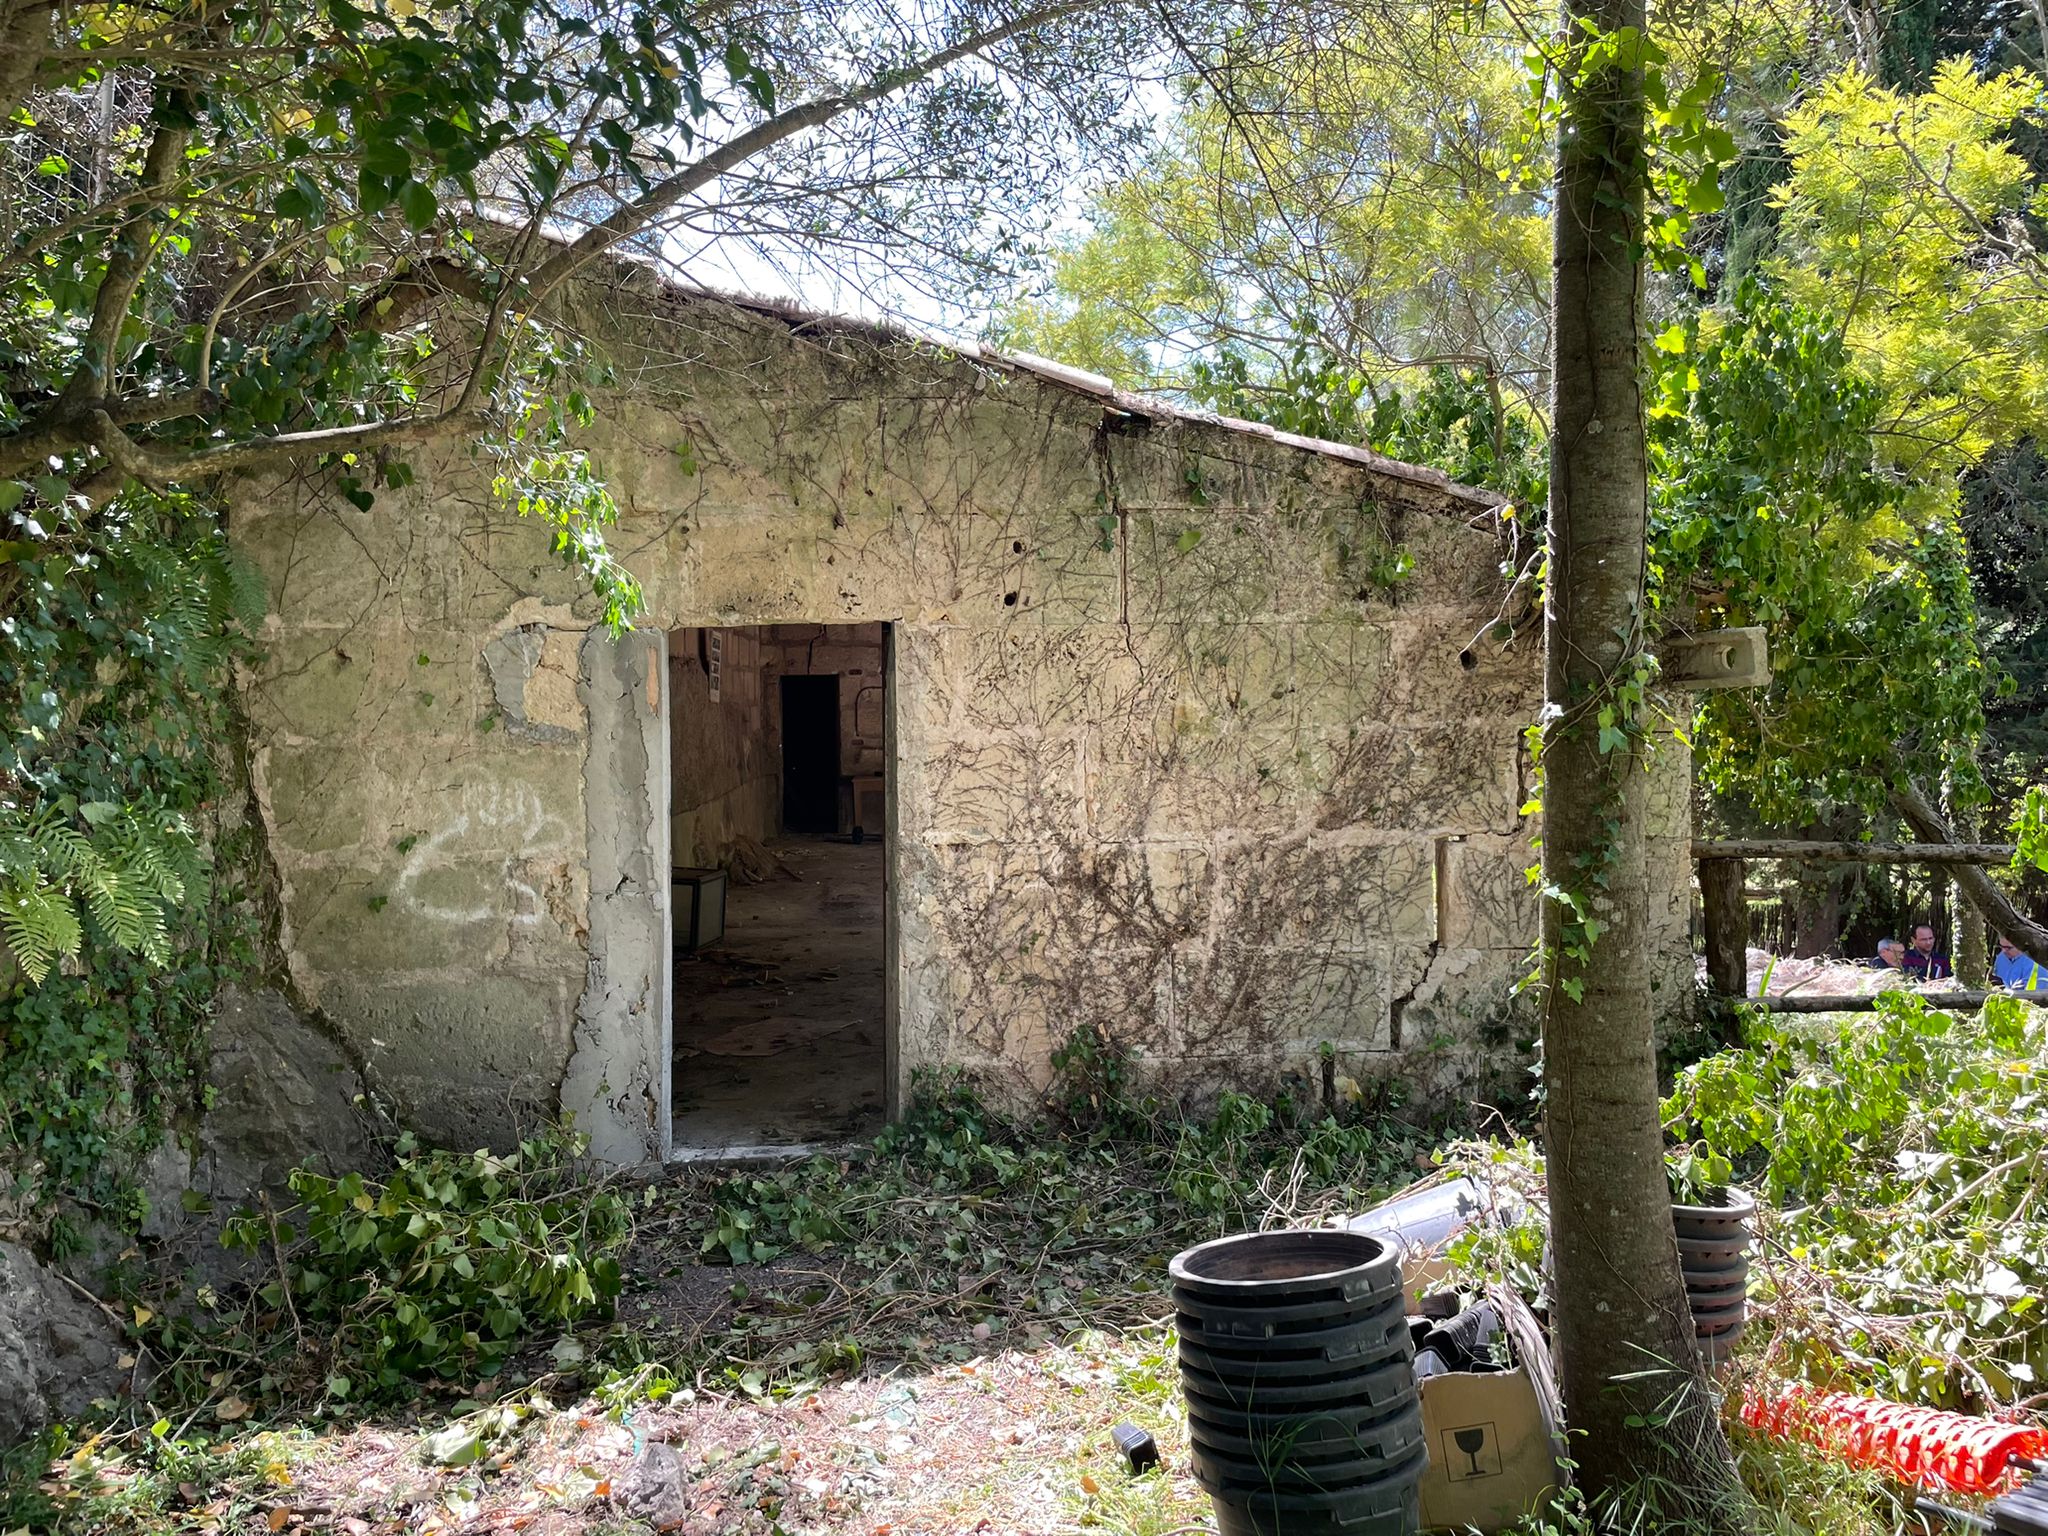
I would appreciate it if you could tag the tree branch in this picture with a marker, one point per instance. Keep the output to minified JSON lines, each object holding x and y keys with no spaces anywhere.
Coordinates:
{"x":71,"y":426}
{"x":629,"y":219}
{"x":156,"y":468}
{"x":1975,"y":882}
{"x":134,"y":248}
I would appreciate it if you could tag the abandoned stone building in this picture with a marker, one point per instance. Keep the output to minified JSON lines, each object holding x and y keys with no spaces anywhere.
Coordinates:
{"x":975,"y":703}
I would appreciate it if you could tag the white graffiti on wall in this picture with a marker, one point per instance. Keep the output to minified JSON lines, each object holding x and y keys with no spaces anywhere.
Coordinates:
{"x":505,"y":823}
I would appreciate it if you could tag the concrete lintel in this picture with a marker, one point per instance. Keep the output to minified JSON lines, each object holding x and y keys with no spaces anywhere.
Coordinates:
{"x":1719,"y":658}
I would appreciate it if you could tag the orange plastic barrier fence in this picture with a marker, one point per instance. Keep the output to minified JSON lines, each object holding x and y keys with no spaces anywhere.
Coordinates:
{"x":1928,"y":1447}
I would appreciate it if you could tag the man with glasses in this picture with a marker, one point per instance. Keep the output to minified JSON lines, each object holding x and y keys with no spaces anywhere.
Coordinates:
{"x":2013,"y":969}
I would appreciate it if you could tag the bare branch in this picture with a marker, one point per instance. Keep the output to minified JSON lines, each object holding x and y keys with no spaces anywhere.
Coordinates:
{"x":629,"y":219}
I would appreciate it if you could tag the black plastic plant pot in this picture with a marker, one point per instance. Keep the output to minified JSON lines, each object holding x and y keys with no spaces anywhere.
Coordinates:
{"x":1312,"y":1267}
{"x":1371,"y":1342}
{"x":1391,"y":1507}
{"x":1318,"y":1441}
{"x":1730,"y":1215}
{"x":1704,"y":1293}
{"x":1714,"y":1311}
{"x":1715,"y":1272}
{"x":1714,"y":1250}
{"x":1370,"y":1392}
{"x":1303,"y":1414}
{"x":1220,"y":1320}
{"x":1717,"y":1347}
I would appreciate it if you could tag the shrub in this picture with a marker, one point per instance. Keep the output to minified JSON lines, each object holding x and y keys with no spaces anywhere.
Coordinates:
{"x":1907,"y":1146}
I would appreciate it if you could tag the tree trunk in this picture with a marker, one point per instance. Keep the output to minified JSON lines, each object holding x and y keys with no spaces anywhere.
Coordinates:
{"x":1644,"y":1427}
{"x":1973,"y":952}
{"x":1724,"y":913}
{"x":1817,"y":924}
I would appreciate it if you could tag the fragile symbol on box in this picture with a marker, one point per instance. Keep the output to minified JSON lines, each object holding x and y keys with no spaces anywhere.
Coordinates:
{"x":1471,"y":1451}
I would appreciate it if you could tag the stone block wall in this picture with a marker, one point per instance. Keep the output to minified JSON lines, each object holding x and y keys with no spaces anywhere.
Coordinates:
{"x":1167,"y":757}
{"x":724,"y":780}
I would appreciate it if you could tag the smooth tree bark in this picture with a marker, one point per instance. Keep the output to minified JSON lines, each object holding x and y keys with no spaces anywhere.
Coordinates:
{"x":1645,"y":1430}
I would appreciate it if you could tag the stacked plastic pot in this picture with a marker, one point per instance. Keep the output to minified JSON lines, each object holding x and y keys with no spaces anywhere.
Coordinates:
{"x":1296,"y":1363}
{"x":1713,"y":1252}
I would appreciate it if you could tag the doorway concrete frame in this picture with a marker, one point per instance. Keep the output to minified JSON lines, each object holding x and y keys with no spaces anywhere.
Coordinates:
{"x":619,"y":1084}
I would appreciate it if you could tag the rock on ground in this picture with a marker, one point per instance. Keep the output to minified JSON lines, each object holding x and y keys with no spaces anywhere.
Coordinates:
{"x":57,"y":1350}
{"x":655,"y":1488}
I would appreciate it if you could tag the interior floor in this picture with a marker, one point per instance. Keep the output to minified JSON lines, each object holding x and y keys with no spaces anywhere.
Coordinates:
{"x":779,"y":1026}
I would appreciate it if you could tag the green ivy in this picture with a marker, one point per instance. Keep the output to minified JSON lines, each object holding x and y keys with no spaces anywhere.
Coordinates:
{"x":118,"y":639}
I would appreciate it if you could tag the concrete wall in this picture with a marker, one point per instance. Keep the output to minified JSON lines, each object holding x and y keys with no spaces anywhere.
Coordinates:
{"x":853,"y":652}
{"x":724,"y":759}
{"x":1169,"y":759}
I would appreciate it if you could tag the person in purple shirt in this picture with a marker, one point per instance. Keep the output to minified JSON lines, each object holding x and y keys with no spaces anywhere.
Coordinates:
{"x":1922,"y":963}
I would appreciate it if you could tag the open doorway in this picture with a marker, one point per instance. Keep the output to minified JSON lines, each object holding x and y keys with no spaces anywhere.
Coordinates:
{"x":778,"y":829}
{"x":810,"y":753}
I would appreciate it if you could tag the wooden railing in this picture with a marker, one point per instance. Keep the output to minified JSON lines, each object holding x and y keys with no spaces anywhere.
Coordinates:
{"x":1724,"y":908}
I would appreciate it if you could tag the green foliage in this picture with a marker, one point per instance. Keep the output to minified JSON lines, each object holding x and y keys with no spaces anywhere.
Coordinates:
{"x":1094,"y":1082}
{"x":1942,"y":307}
{"x":1769,"y":506}
{"x":1907,"y":1149}
{"x":95,"y":1065}
{"x":1456,"y":420}
{"x":58,"y":877}
{"x":2030,"y":830}
{"x":1399,"y":223}
{"x":441,"y":1268}
{"x":68,"y":1482}
{"x":120,"y":630}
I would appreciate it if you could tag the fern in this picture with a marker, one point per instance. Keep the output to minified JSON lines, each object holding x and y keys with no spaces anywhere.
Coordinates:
{"x":117,"y":867}
{"x":41,"y":926}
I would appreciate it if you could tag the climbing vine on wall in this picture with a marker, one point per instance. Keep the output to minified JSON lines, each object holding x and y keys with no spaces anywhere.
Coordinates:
{"x":118,"y":901}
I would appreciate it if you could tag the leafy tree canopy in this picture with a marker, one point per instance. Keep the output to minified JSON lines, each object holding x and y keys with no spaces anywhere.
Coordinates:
{"x":1909,"y":216}
{"x":1372,"y":187}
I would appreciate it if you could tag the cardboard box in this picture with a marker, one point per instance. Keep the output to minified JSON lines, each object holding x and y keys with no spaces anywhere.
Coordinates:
{"x":1492,"y":1436}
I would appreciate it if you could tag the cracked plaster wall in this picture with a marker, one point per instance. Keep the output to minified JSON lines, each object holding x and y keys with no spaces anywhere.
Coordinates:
{"x":1167,"y":761}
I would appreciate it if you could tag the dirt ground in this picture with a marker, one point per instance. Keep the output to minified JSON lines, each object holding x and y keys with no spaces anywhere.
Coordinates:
{"x":778,"y":1027}
{"x":1013,"y":1441}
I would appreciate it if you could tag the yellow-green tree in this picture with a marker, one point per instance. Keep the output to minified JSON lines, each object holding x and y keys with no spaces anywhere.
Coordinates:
{"x":1906,"y":216}
{"x":1372,"y":184}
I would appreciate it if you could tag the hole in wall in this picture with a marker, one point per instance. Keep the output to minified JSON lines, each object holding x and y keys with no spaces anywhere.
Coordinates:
{"x":1009,"y":599}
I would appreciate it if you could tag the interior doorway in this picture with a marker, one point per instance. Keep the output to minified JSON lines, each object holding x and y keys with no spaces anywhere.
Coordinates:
{"x":779,"y":745}
{"x":810,"y":753}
